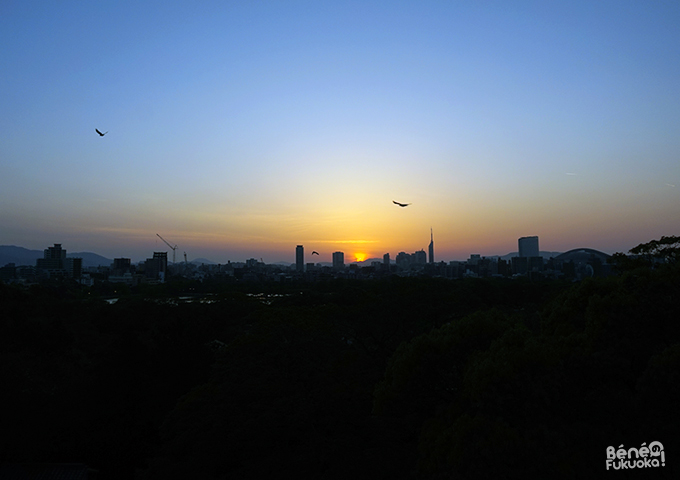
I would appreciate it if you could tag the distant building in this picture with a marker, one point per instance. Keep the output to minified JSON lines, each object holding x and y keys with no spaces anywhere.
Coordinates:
{"x":403,"y":260}
{"x":420,"y":257}
{"x":431,"y":248}
{"x":162,"y":258}
{"x":408,"y":261}
{"x":27,"y":273}
{"x":300,"y":258}
{"x":583,"y":262}
{"x":73,"y":267}
{"x":121,"y":266}
{"x":520,"y":265}
{"x":8,"y":272}
{"x":474,"y":258}
{"x":53,"y":258}
{"x":338,"y":260}
{"x":126,"y":278}
{"x":156,"y":267}
{"x":535,"y":264}
{"x":528,"y":246}
{"x":455,"y":269}
{"x":386,"y":260}
{"x":54,"y":261}
{"x":503,"y":268}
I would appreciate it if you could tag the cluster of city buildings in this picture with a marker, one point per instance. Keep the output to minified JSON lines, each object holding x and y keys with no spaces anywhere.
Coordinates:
{"x":56,"y":265}
{"x":576,"y":264}
{"x":404,"y":260}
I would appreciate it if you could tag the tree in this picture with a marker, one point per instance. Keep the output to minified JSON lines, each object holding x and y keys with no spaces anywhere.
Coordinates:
{"x":666,"y":249}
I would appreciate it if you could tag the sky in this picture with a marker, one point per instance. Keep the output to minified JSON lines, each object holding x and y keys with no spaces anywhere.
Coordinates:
{"x":241,"y":129}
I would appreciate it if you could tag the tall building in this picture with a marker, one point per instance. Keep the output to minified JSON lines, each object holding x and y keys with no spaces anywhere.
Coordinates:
{"x":162,"y":258}
{"x":528,"y":246}
{"x":53,"y":258}
{"x":403,"y":260}
{"x":386,"y":260}
{"x":156,"y":267}
{"x":55,"y":262}
{"x":120,"y":266}
{"x":338,"y":260}
{"x":300,"y":258}
{"x":430,"y":249}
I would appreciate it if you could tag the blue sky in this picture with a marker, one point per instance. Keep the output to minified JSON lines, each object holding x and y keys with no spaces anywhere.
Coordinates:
{"x":241,"y":129}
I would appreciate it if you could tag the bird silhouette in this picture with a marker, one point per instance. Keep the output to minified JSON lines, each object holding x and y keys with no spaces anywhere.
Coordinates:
{"x":401,"y":204}
{"x":100,"y":133}
{"x":315,"y":252}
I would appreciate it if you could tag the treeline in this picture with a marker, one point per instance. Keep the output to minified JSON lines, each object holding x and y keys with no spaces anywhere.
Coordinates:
{"x":401,"y":378}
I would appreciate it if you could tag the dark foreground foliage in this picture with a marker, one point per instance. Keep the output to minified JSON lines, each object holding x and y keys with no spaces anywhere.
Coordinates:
{"x":402,"y":378}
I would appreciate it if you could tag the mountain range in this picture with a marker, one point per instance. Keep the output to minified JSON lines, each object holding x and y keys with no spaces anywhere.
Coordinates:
{"x":24,"y":256}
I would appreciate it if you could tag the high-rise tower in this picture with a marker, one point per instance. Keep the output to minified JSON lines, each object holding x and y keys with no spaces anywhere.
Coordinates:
{"x":338,"y":260}
{"x":528,"y":246}
{"x":53,"y":258}
{"x":300,"y":258}
{"x":431,"y":247}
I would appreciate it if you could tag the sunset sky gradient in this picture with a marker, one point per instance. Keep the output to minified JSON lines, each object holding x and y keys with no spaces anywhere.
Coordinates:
{"x":242,"y":129}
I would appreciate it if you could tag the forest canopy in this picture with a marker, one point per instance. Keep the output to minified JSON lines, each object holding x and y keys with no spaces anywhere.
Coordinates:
{"x":398,"y":378}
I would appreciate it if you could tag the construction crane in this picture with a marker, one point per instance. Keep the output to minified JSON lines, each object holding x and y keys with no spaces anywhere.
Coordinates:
{"x":173,"y":248}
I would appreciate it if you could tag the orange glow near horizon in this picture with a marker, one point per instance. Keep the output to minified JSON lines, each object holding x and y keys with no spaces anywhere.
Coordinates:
{"x":360,"y":257}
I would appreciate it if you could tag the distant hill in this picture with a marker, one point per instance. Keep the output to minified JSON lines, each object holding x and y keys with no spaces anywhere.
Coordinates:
{"x":91,"y":259}
{"x":24,"y":256}
{"x":201,"y":261}
{"x":18,"y":255}
{"x":369,"y":261}
{"x":545,"y":255}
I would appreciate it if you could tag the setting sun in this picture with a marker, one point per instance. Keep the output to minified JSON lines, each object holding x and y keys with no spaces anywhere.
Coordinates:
{"x":359,"y":257}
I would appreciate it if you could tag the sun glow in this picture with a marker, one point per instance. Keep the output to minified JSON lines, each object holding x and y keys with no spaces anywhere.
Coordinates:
{"x":359,"y":257}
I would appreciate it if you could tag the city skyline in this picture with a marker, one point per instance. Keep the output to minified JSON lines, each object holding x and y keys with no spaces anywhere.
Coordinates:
{"x":325,"y":256}
{"x":299,"y":260}
{"x":236,"y":131}
{"x":25,"y":266}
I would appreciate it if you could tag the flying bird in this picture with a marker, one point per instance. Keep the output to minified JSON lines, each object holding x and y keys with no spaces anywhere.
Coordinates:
{"x":315,"y":252}
{"x":401,"y":204}
{"x":100,"y":133}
